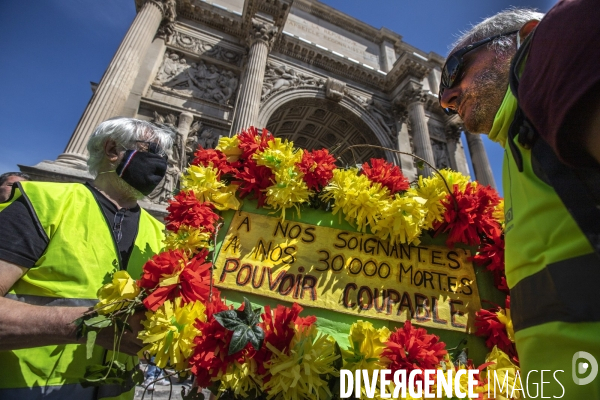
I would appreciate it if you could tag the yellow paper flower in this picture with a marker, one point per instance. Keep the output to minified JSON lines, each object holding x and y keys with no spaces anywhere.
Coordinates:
{"x":188,"y":239}
{"x":169,"y":333}
{"x":279,"y":154}
{"x":207,"y":187}
{"x":499,"y":212}
{"x":356,"y":197}
{"x":433,"y":190}
{"x":504,"y":317}
{"x":501,"y":367}
{"x":289,"y":190}
{"x":114,"y":295}
{"x":230,"y":147}
{"x":402,"y":219}
{"x":305,"y":371}
{"x":366,"y":345}
{"x":241,"y":379}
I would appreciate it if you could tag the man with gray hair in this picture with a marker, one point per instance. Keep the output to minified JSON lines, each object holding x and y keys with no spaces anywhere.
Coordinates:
{"x":532,"y":87}
{"x":7,"y":180}
{"x":61,"y":242}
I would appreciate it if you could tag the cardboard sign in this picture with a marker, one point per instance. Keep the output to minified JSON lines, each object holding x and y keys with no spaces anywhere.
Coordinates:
{"x":348,"y":272}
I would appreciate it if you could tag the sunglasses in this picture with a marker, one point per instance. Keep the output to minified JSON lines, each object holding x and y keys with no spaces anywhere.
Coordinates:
{"x":455,"y":63}
{"x":151,"y":147}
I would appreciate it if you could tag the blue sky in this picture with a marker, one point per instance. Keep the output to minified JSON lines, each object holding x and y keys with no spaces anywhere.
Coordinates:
{"x":52,"y":49}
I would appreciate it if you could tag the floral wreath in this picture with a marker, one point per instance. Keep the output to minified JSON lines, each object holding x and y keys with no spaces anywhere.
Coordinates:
{"x":276,"y":353}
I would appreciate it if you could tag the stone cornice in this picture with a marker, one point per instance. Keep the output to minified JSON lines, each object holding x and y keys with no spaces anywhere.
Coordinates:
{"x":342,"y":20}
{"x":407,"y":65}
{"x":310,"y":54}
{"x":212,"y":16}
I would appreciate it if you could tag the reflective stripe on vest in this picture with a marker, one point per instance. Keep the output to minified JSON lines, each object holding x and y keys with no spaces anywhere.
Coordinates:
{"x":73,"y":391}
{"x":80,"y":257}
{"x":565,"y":291}
{"x":51,"y":301}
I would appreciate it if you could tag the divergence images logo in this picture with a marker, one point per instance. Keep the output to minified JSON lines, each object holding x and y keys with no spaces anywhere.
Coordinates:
{"x":580,"y":367}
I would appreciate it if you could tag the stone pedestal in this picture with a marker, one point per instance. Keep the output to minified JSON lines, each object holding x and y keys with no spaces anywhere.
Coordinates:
{"x":248,"y":102}
{"x":420,"y":131}
{"x":481,"y":164}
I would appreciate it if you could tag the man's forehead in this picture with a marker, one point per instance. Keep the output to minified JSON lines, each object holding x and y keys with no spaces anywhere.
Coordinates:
{"x":13,"y":178}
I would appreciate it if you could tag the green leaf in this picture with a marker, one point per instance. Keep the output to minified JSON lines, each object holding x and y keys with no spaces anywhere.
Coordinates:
{"x":248,"y":313}
{"x":99,"y":322}
{"x":137,"y":376}
{"x":228,"y":319}
{"x":420,"y":164}
{"x":256,"y":337}
{"x":239,"y":340}
{"x":90,"y":342}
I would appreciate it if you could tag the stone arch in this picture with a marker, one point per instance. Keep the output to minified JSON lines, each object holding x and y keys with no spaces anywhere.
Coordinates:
{"x":280,"y":113}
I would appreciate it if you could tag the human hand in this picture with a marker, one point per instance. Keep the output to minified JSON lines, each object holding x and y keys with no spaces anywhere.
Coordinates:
{"x":129,"y":344}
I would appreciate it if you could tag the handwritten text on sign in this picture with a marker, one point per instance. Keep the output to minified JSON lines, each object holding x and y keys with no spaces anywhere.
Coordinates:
{"x":348,"y":272}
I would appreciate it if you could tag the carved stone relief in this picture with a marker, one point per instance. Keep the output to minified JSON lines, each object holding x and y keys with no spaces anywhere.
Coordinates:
{"x":263,"y":32}
{"x":182,"y":152}
{"x":377,"y":110}
{"x":334,"y":89}
{"x":281,"y":77}
{"x":440,"y":154}
{"x":169,"y":12}
{"x":437,"y":132}
{"x":202,"y":47}
{"x":197,"y":79}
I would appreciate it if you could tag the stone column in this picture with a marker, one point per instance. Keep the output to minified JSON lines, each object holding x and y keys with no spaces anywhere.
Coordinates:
{"x":116,"y":84}
{"x":481,"y":164}
{"x":420,"y":131}
{"x":458,"y":159}
{"x":248,"y":103}
{"x":406,"y":162}
{"x":183,"y":130}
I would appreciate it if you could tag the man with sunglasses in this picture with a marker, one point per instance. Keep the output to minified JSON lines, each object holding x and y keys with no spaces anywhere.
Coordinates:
{"x":532,"y":87}
{"x":61,"y":242}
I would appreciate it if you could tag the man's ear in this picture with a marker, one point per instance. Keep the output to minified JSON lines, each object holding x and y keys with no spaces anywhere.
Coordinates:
{"x":527,"y":29}
{"x":111,"y":151}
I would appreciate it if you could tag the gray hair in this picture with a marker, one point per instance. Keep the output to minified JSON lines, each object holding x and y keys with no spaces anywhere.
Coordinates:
{"x":4,"y":177}
{"x":125,"y":132}
{"x":509,"y":20}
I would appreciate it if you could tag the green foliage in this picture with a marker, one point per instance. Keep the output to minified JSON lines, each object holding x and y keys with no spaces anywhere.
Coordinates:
{"x":244,"y":325}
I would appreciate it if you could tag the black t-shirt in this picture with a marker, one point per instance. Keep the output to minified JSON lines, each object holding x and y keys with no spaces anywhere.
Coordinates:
{"x":23,"y":243}
{"x":560,"y":85}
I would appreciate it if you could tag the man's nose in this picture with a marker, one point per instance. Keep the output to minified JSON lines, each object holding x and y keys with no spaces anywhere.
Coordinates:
{"x":449,"y":96}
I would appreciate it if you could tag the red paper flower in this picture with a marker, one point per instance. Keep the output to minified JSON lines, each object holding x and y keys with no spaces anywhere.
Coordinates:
{"x":317,"y":167}
{"x":185,"y":209}
{"x":409,"y":348}
{"x":491,"y":254}
{"x":215,"y":158}
{"x":254,"y":179}
{"x":489,"y":326}
{"x":211,"y":350}
{"x":473,"y":217}
{"x":389,"y":175}
{"x":250,"y":142}
{"x":279,"y":326}
{"x":170,"y":274}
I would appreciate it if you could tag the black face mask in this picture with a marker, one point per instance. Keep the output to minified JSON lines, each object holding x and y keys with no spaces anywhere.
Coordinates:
{"x":142,"y":170}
